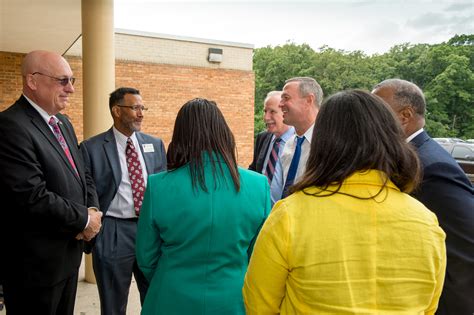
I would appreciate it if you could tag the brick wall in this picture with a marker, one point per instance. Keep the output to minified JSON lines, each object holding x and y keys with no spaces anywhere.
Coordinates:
{"x":164,"y":88}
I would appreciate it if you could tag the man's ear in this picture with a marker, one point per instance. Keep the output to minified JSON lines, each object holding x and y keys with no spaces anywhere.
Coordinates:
{"x":31,"y":82}
{"x":310,"y":99}
{"x":406,"y":115}
{"x":115,"y":111}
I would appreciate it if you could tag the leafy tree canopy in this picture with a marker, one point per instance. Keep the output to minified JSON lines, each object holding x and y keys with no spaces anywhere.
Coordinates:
{"x":445,"y":72}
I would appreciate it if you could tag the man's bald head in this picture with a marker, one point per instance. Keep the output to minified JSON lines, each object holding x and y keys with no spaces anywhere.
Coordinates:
{"x":43,"y":75}
{"x":41,"y":61}
{"x":405,"y":93}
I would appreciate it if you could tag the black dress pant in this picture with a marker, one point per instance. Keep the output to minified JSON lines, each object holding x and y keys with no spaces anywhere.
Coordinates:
{"x":55,"y":300}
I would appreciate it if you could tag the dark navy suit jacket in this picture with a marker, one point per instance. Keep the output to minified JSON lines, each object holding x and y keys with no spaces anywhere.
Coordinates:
{"x":262,"y":143}
{"x":447,"y":192}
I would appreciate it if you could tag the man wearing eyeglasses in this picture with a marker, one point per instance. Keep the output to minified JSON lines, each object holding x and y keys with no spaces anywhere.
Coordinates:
{"x":120,"y":160}
{"x":48,"y":201}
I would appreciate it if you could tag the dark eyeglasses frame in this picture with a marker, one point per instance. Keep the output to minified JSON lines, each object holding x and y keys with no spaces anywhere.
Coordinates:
{"x":135,"y":107}
{"x":62,"y":81}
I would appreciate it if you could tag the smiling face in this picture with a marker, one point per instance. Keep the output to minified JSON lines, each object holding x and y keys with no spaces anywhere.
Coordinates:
{"x":41,"y":87}
{"x":292,"y":104}
{"x":127,"y":120}
{"x":273,"y":116}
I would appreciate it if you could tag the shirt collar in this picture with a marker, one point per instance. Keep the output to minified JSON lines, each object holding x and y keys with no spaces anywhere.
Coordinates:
{"x":41,"y":111}
{"x":286,"y":135}
{"x":122,"y":139}
{"x":308,"y":134}
{"x":413,"y":135}
{"x":372,"y":179}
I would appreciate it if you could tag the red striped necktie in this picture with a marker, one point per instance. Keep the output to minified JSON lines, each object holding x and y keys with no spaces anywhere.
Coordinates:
{"x":272,"y":160}
{"x":58,"y":134}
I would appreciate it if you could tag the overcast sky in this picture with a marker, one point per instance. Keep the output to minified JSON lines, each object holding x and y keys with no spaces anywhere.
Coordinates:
{"x":371,"y":26}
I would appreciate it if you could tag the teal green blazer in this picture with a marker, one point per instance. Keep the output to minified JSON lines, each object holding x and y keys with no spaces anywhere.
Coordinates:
{"x":194,"y":246}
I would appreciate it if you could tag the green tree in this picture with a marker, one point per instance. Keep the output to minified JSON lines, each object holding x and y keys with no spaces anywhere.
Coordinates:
{"x":443,"y":71}
{"x":272,"y":67}
{"x":450,"y":96}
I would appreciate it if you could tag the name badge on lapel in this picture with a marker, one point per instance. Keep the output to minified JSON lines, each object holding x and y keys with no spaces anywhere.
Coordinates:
{"x":148,"y":147}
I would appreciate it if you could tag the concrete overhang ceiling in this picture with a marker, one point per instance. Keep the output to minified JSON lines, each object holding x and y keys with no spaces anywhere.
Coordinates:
{"x":27,"y":25}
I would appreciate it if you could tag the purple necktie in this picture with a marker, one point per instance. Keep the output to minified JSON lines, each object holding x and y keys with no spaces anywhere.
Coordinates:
{"x":57,"y":132}
{"x":136,"y":175}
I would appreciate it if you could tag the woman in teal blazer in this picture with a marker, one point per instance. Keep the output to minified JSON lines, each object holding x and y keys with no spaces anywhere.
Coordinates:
{"x":199,"y":220}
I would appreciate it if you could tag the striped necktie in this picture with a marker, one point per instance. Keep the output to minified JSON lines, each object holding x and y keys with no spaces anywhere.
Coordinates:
{"x":59,"y":136}
{"x":272,"y":160}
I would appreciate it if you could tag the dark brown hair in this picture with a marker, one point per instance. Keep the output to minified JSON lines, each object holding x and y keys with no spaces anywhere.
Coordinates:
{"x":201,"y":128}
{"x":355,"y":131}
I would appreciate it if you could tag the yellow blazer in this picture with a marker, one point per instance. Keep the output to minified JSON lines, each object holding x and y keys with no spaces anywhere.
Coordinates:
{"x":346,"y":255}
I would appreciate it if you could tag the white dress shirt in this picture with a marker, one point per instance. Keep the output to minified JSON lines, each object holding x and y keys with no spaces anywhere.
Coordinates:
{"x":43,"y":113}
{"x":413,"y":135}
{"x":122,"y":205}
{"x":276,"y":187}
{"x":289,"y":150}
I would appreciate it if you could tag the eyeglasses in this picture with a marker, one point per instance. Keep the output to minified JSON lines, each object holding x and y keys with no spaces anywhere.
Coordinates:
{"x":62,"y":81}
{"x":135,"y":107}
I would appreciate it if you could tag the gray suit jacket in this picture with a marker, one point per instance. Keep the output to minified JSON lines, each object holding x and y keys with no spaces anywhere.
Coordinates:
{"x":102,"y":161}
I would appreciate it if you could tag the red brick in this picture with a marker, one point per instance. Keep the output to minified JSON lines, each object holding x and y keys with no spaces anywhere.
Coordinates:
{"x":164,"y":88}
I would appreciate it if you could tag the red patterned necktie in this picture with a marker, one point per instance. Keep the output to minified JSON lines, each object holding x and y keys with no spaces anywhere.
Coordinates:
{"x":57,"y":132}
{"x":136,"y":175}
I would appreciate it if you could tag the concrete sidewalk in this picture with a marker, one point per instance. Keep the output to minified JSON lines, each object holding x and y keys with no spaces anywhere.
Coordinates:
{"x":87,"y":300}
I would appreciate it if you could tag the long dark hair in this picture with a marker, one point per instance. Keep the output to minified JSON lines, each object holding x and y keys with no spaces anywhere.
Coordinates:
{"x":201,"y":128}
{"x":356,"y":131}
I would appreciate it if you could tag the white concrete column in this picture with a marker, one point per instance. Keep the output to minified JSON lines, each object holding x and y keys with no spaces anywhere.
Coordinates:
{"x":98,"y":64}
{"x":98,"y":68}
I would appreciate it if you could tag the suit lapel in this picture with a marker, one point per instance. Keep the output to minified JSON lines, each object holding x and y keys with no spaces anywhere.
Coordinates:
{"x":41,"y":125}
{"x":263,"y":151}
{"x":146,"y":157}
{"x":110,"y":148}
{"x":74,"y":153}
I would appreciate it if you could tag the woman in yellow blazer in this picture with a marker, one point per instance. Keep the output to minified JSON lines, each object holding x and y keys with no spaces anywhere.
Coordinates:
{"x":349,"y":240}
{"x":199,"y":219}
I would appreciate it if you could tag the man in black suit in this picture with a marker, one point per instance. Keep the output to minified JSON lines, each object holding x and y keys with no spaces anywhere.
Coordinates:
{"x":49,"y":203}
{"x":265,"y":142}
{"x":260,"y":151}
{"x":445,"y":190}
{"x":113,"y":254}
